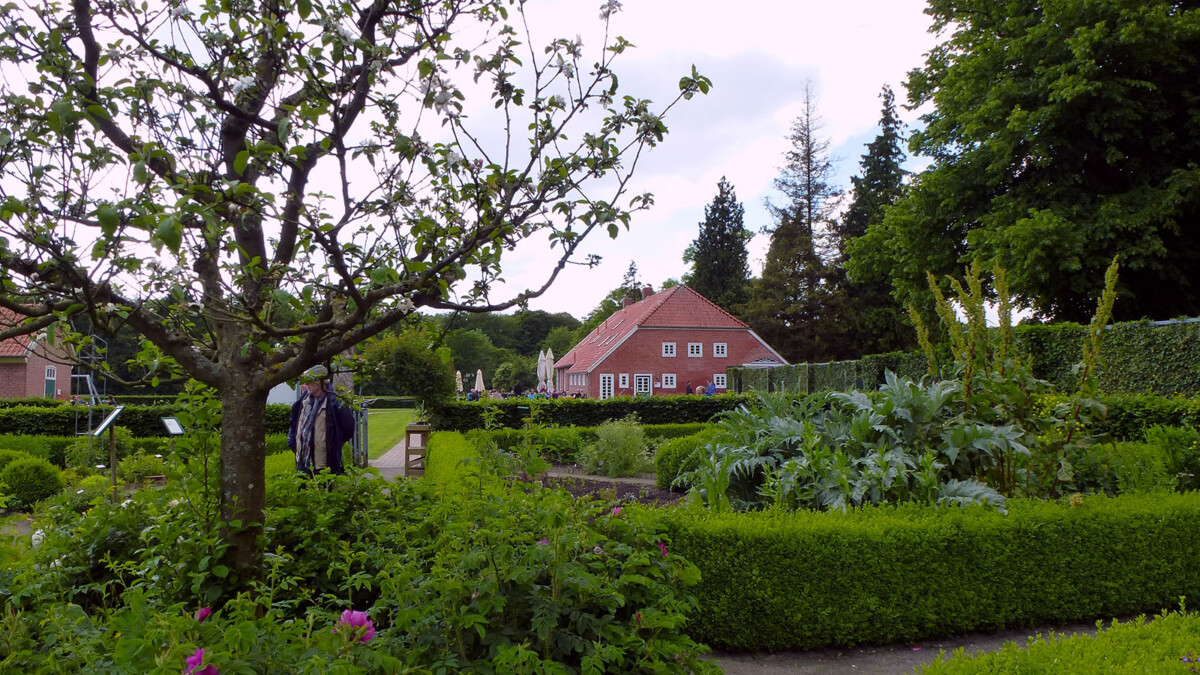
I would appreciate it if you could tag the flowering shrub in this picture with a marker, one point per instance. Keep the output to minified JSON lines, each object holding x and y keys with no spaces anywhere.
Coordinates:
{"x":357,"y":578}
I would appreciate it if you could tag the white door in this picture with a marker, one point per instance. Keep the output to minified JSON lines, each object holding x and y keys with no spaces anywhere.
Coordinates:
{"x":606,"y":386}
{"x":641,"y":384}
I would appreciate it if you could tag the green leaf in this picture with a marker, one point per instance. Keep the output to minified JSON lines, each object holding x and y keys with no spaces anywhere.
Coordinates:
{"x":239,"y":163}
{"x":170,"y":234}
{"x":109,"y":218}
{"x":304,"y":7}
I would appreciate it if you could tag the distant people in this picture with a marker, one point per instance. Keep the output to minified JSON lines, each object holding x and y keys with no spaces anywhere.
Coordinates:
{"x":711,"y":390}
{"x":320,"y":425}
{"x":110,"y":400}
{"x":688,"y":389}
{"x":518,"y":389}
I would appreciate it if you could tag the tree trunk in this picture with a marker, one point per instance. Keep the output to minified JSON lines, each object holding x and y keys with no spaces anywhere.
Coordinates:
{"x":243,"y":475}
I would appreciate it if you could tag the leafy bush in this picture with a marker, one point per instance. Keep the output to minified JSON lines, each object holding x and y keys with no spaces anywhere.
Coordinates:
{"x":79,"y":497}
{"x":619,"y":450}
{"x":570,"y":412}
{"x":500,"y":579}
{"x":135,"y":468}
{"x":561,"y":445}
{"x":778,"y":580}
{"x":29,"y":481}
{"x":1163,"y":645}
{"x":1119,"y":468}
{"x":1182,"y":448}
{"x":9,"y":456}
{"x":678,"y":456}
{"x":143,"y":421}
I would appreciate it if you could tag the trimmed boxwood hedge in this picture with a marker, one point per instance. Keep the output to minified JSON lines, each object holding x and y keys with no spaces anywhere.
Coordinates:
{"x":142,"y":421}
{"x":586,"y":412}
{"x":803,"y":580}
{"x":562,"y":444}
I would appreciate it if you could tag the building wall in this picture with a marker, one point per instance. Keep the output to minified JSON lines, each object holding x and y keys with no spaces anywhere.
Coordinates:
{"x":12,"y":380}
{"x":641,"y":354}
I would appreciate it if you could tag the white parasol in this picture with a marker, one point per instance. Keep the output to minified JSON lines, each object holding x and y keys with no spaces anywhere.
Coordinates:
{"x":541,"y":370}
{"x":550,"y":369}
{"x":458,"y":381}
{"x":479,"y":380}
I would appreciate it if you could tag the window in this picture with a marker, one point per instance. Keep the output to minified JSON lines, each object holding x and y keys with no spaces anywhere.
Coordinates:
{"x":719,"y":381}
{"x":695,"y":349}
{"x":624,"y":380}
{"x":668,"y":350}
{"x":606,"y":386}
{"x":641,"y":384}
{"x":720,"y":350}
{"x":668,"y":381}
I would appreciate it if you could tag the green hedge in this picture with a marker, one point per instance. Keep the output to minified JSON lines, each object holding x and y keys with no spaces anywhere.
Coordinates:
{"x":1133,"y":647}
{"x":562,"y":444}
{"x":1137,"y":357}
{"x":571,"y":412}
{"x":38,"y":402}
{"x":1129,"y":415}
{"x":803,"y":580}
{"x":142,"y":421}
{"x":679,"y":455}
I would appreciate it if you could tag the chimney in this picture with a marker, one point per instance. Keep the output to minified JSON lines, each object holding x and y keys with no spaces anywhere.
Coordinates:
{"x":647,"y":291}
{"x":626,"y":302}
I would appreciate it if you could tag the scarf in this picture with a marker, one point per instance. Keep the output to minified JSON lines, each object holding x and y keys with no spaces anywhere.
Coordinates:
{"x":306,"y":441}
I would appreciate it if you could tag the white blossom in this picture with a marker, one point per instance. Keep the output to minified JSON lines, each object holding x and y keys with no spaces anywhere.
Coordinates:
{"x":453,"y":158}
{"x":242,"y":83}
{"x":609,"y":8}
{"x":180,"y":12}
{"x":173,"y":503}
{"x":38,"y":537}
{"x":126,"y":503}
{"x":557,"y":101}
{"x":565,"y":67}
{"x":405,"y":305}
{"x":345,"y":33}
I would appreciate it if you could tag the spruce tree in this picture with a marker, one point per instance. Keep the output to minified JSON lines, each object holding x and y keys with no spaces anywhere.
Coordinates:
{"x":789,"y":304}
{"x":719,"y":260}
{"x":872,"y":320}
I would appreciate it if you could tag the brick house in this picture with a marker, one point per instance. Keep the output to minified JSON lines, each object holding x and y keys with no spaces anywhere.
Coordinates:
{"x":30,"y":366}
{"x":660,"y":344}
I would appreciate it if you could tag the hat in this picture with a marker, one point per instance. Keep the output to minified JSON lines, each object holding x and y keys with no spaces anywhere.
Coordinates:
{"x":314,"y":374}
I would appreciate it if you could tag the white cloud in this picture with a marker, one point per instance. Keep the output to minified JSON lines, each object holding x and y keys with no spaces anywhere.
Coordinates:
{"x":758,"y":54}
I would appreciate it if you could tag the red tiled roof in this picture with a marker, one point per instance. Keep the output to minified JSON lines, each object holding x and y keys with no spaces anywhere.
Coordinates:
{"x":14,"y":346}
{"x":677,"y":307}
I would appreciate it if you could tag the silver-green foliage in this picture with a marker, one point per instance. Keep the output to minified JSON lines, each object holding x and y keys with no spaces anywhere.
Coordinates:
{"x":911,"y":442}
{"x":619,"y":450}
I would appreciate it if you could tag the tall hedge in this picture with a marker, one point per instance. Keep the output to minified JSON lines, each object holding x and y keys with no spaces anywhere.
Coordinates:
{"x":1137,"y":357}
{"x":464,"y":416}
{"x":803,"y":580}
{"x":142,"y":421}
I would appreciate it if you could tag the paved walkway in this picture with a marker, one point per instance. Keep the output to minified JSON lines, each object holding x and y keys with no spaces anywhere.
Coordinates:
{"x":391,"y":463}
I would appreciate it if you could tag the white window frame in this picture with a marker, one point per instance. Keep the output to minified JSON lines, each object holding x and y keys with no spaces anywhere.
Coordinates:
{"x":624,"y":379}
{"x":51,"y":373}
{"x":648,"y":379}
{"x":606,"y":385}
{"x":668,"y":381}
{"x":719,"y":380}
{"x":695,"y":350}
{"x":720,"y":350}
{"x":668,"y":350}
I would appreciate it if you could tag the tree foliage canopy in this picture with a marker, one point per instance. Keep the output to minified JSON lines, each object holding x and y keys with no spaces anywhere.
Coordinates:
{"x":1063,"y":134}
{"x":348,"y":161}
{"x":720,"y":267}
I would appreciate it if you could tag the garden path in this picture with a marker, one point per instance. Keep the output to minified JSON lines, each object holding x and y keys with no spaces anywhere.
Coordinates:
{"x":882,"y":660}
{"x":391,"y":463}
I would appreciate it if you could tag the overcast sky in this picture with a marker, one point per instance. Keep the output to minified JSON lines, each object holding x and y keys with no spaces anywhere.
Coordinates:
{"x":758,"y":54}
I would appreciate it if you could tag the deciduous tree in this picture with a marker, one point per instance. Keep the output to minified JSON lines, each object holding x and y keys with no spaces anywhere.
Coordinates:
{"x":1062,"y":133}
{"x":351,"y":161}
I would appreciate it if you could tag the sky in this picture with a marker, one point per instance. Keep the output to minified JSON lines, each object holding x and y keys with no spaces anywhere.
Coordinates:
{"x":758,"y":54}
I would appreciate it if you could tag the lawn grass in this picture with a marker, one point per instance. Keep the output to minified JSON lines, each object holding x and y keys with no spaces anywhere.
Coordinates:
{"x":386,"y":429}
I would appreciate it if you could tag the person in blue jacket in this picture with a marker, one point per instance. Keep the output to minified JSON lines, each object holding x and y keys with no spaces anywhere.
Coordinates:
{"x":320,"y":425}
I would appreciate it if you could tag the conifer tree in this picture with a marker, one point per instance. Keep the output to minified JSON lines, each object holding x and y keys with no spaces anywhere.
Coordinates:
{"x":872,"y":320}
{"x":719,"y":260}
{"x":789,"y":302}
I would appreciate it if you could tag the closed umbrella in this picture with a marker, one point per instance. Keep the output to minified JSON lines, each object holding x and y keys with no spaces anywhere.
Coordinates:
{"x":458,"y":381}
{"x":479,"y":380}
{"x":550,"y":369}
{"x":541,"y":370}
